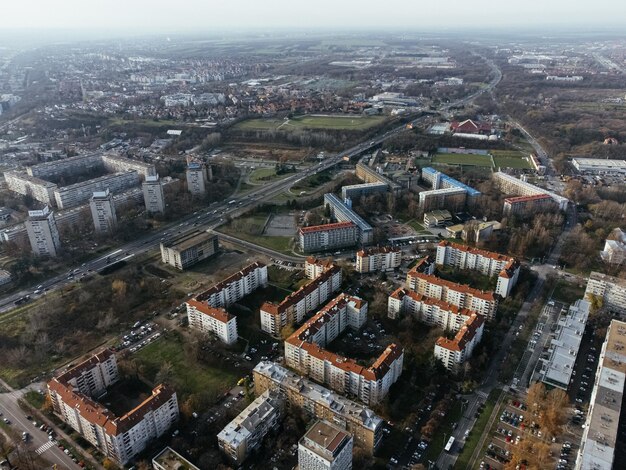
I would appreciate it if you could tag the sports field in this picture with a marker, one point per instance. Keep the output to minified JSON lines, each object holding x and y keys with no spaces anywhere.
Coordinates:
{"x":498,"y":158}
{"x":347,"y":122}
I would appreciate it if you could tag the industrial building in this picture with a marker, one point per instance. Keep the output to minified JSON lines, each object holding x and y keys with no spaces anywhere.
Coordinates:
{"x":188,"y":249}
{"x":600,"y":166}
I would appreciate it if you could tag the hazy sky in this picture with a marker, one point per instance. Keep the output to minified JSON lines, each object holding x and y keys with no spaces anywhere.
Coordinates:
{"x":207,"y":15}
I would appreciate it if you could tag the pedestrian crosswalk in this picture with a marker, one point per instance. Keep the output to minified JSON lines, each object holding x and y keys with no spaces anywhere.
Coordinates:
{"x":45,"y":447}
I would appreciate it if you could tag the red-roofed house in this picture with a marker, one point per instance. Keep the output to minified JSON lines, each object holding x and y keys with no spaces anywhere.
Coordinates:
{"x":470,"y":127}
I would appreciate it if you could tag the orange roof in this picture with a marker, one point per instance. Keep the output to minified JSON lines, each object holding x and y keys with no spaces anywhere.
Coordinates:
{"x":401,"y":292}
{"x":295,"y":297}
{"x":476,"y":251}
{"x":229,"y":280}
{"x":327,"y":227}
{"x":376,"y":250}
{"x":464,"y":335}
{"x":534,"y":197}
{"x":481,"y":294}
{"x":88,"y":364}
{"x":324,"y":263}
{"x":218,"y":313}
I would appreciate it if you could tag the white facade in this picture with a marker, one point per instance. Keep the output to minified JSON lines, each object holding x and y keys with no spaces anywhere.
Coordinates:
{"x":42,"y":232}
{"x":79,"y":193}
{"x":103,"y":212}
{"x":611,"y":290}
{"x":510,"y":185}
{"x":325,"y":447}
{"x":153,"y":196}
{"x":378,"y":259}
{"x":215,"y":320}
{"x":235,"y":287}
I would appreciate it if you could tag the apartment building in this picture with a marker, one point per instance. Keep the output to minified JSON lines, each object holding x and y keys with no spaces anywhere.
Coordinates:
{"x":42,"y":232}
{"x":483,"y":302}
{"x":355,"y":191}
{"x":454,"y":352}
{"x":601,"y":430}
{"x":305,"y":352}
{"x":342,"y":212}
{"x":485,"y":262}
{"x":319,"y":402}
{"x":236,"y":286}
{"x":433,"y":312}
{"x":370,"y":175}
{"x":328,"y":236}
{"x":452,"y":199}
{"x":510,"y":185}
{"x":119,"y":438}
{"x":80,"y":193}
{"x":439,"y":180}
{"x":169,"y":459}
{"x":65,"y":166}
{"x":245,"y":433}
{"x":525,"y":205}
{"x":103,"y":212}
{"x":117,"y":164}
{"x":39,"y":189}
{"x":610,"y":290}
{"x":297,"y":305}
{"x":188,"y":249}
{"x":325,"y":446}
{"x":197,"y":177}
{"x":615,"y":247}
{"x":313,"y":267}
{"x":215,"y":320}
{"x":153,"y":196}
{"x":386,"y":258}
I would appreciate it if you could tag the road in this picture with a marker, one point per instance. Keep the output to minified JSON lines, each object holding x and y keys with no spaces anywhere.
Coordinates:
{"x":39,"y":441}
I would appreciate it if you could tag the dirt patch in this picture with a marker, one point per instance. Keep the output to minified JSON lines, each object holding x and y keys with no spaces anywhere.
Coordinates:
{"x":281,"y":225}
{"x":157,"y":271}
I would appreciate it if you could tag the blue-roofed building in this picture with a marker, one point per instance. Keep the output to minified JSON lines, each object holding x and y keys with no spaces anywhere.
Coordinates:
{"x":439,"y":180}
{"x":341,"y":212}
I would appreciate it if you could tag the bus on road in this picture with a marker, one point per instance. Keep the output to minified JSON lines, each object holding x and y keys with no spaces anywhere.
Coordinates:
{"x":449,"y":445}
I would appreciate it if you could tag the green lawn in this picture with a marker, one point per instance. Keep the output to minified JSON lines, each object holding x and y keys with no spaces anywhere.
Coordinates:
{"x":281,"y":244}
{"x":567,"y":292}
{"x":511,"y":162}
{"x":189,"y":378}
{"x":262,"y":174}
{"x":339,"y":122}
{"x":461,"y":159}
{"x":463,"y":460}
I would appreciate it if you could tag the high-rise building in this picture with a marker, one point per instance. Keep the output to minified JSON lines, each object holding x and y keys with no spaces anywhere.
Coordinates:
{"x":197,"y":177}
{"x":325,"y":447}
{"x":42,"y":232}
{"x":153,"y":195}
{"x":103,"y":212}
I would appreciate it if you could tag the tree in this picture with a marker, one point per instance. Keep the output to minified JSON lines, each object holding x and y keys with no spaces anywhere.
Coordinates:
{"x":536,"y":396}
{"x":165,"y":374}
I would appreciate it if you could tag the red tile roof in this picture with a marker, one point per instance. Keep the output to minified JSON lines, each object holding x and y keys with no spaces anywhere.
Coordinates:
{"x":376,"y":250}
{"x":218,"y":313}
{"x":327,"y":227}
{"x":533,"y":197}
{"x":401,"y":292}
{"x":481,"y":294}
{"x":229,"y":280}
{"x":470,"y":127}
{"x":464,"y":335}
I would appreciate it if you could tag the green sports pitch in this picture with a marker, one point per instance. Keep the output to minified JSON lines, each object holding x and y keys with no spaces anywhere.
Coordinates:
{"x":497,"y":159}
{"x":345,"y":122}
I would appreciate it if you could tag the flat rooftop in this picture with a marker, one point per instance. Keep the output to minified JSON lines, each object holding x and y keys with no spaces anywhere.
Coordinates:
{"x":189,"y":240}
{"x":168,"y":459}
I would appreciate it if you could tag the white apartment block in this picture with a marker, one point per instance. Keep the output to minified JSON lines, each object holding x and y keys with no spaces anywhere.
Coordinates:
{"x":153,"y":196}
{"x":197,"y":178}
{"x":615,"y":247}
{"x":209,"y":319}
{"x":355,"y":191}
{"x":328,"y":236}
{"x":117,"y":164}
{"x":453,"y":199}
{"x":65,"y":166}
{"x":118,"y":438}
{"x":325,"y":446}
{"x":485,"y":262}
{"x":313,"y":267}
{"x":454,"y":352}
{"x":103,"y":212}
{"x":41,"y":190}
{"x":79,"y":193}
{"x":294,"y":308}
{"x":246,"y":432}
{"x":378,"y":259}
{"x":42,"y":232}
{"x":602,"y":426}
{"x":361,"y":422}
{"x":511,"y":185}
{"x":611,"y":290}
{"x":463,"y":296}
{"x":189,"y":249}
{"x":446,"y":316}
{"x":236,"y":286}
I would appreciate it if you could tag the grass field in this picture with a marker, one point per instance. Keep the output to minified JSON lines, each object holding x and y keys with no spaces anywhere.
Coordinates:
{"x":461,"y":159}
{"x":347,"y":122}
{"x":501,"y":159}
{"x":263,"y":174}
{"x":189,"y":378}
